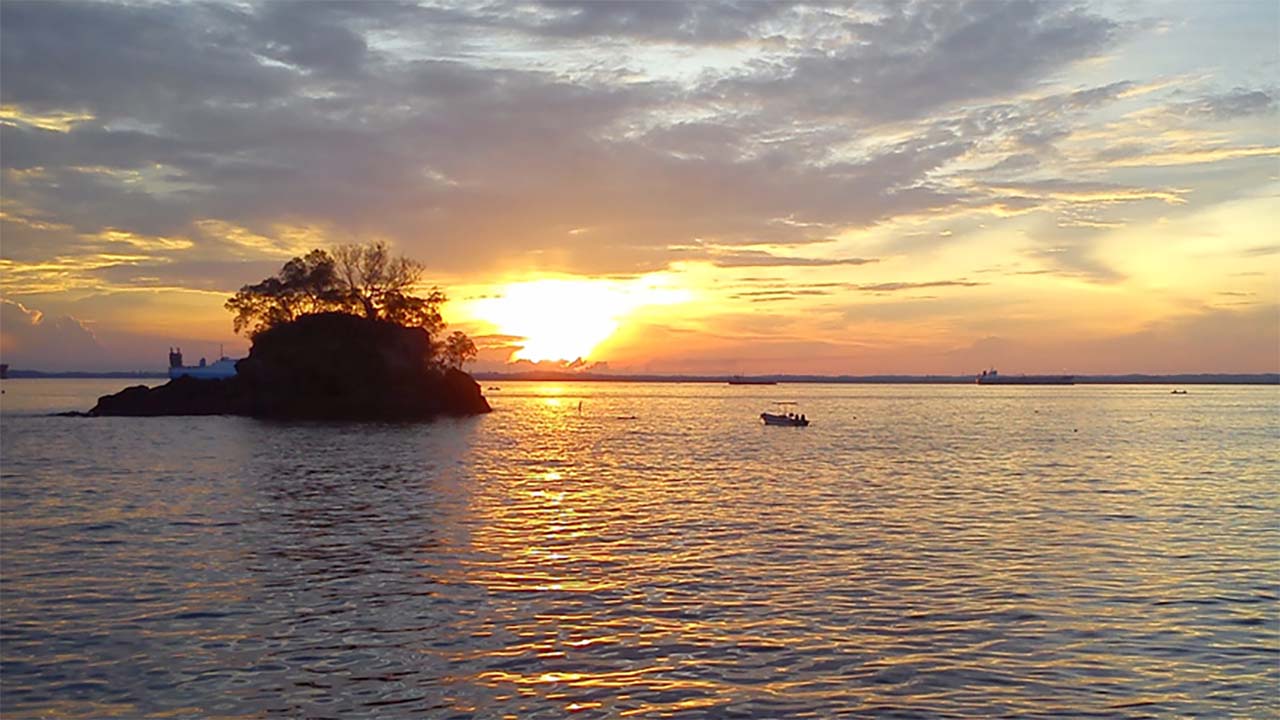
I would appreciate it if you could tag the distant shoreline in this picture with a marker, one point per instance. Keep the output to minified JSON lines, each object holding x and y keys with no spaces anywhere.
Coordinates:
{"x":1128,"y":379}
{"x":756,"y":380}
{"x":86,"y":375}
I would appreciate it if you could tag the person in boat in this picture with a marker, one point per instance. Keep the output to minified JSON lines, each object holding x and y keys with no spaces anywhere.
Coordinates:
{"x":802,"y":418}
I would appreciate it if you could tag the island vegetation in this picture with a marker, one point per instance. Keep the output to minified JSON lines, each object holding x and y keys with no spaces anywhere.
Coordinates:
{"x":361,"y":280}
{"x":343,"y":335}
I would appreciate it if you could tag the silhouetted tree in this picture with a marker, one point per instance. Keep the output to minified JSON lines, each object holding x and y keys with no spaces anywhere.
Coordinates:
{"x":356,"y":279}
{"x":304,"y":285}
{"x":458,"y":350}
{"x":379,"y":286}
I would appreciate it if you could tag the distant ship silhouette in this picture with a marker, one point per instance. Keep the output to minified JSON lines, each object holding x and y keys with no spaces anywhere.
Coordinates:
{"x":740,"y":380}
{"x":993,"y":377}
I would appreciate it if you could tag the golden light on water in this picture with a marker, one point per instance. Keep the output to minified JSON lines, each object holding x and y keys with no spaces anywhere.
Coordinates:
{"x":567,"y":319}
{"x":663,"y":554}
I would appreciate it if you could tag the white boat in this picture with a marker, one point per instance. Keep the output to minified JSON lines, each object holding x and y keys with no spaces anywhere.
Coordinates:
{"x":789,"y":420}
{"x":785,"y":417}
{"x":224,"y":367}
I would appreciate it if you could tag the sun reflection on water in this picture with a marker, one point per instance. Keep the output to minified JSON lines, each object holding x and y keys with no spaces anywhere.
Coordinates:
{"x":659,"y":552}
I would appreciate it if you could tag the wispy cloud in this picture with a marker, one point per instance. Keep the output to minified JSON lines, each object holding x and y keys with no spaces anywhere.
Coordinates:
{"x":892,"y":287}
{"x":761,"y":258}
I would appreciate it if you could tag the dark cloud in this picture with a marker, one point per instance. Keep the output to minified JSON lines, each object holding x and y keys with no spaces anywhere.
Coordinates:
{"x":1123,"y":151}
{"x":1015,"y":164}
{"x":30,"y":340}
{"x":918,"y":57}
{"x":778,"y":295}
{"x":324,"y":39}
{"x":1239,"y":102}
{"x":118,"y":58}
{"x":214,"y":275}
{"x":90,"y":202}
{"x":655,"y":20}
{"x":1083,"y":99}
{"x":398,"y":120}
{"x":88,"y":146}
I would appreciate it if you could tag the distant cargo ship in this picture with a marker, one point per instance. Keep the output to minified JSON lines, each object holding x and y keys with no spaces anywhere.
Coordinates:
{"x":739,"y":380}
{"x":223,"y":368}
{"x":993,"y":377}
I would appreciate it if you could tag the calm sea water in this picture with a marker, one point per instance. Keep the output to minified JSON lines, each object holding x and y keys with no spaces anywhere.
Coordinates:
{"x":650,"y":550}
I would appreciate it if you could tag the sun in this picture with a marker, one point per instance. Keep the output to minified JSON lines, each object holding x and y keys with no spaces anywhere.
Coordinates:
{"x":567,"y":319}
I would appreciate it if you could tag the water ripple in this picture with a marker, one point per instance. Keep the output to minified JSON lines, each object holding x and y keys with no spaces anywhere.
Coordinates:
{"x":916,"y":552}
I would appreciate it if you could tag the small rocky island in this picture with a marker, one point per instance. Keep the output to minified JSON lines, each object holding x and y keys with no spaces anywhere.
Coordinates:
{"x":329,"y":366}
{"x":333,"y":339}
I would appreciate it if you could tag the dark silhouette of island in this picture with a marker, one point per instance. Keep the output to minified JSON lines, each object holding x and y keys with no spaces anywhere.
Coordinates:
{"x":335,"y":337}
{"x":326,"y":366}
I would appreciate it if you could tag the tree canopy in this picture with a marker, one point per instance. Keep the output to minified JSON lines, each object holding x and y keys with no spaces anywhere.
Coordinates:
{"x":363,"y":280}
{"x":458,"y":349}
{"x":304,"y":285}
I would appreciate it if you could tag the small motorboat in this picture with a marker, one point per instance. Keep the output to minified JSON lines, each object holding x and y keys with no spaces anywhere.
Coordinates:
{"x":786,"y":416}
{"x":787,"y":419}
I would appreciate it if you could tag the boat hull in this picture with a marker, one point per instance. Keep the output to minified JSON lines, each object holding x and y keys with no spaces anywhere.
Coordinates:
{"x":783,"y":420}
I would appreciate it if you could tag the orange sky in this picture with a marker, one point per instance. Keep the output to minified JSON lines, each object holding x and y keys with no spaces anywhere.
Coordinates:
{"x":666,"y":188}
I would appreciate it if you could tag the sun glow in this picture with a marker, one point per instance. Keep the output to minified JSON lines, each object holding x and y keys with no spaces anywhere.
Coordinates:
{"x":566,"y":319}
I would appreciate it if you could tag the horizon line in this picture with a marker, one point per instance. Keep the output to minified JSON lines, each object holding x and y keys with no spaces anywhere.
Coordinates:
{"x":1236,"y":378}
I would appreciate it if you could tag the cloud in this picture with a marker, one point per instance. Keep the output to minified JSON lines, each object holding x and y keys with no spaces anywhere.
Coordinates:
{"x":912,"y":59}
{"x":1261,"y":250}
{"x":114,"y":59}
{"x":769,"y":291}
{"x":212,"y":275}
{"x":196,"y":146}
{"x":1236,"y":103}
{"x":890,"y":287}
{"x":1076,"y":259}
{"x":760,"y":296}
{"x":760,"y":258}
{"x":1138,"y":155}
{"x":694,"y":23}
{"x":265,"y":114}
{"x":1187,"y":343}
{"x":1015,"y":164}
{"x":1079,"y":192}
{"x":29,"y":340}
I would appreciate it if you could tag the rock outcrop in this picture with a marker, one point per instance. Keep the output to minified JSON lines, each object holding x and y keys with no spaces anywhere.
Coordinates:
{"x":329,"y":366}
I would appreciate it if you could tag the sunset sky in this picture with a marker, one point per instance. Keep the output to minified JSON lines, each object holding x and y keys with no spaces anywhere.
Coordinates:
{"x":659,"y":187}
